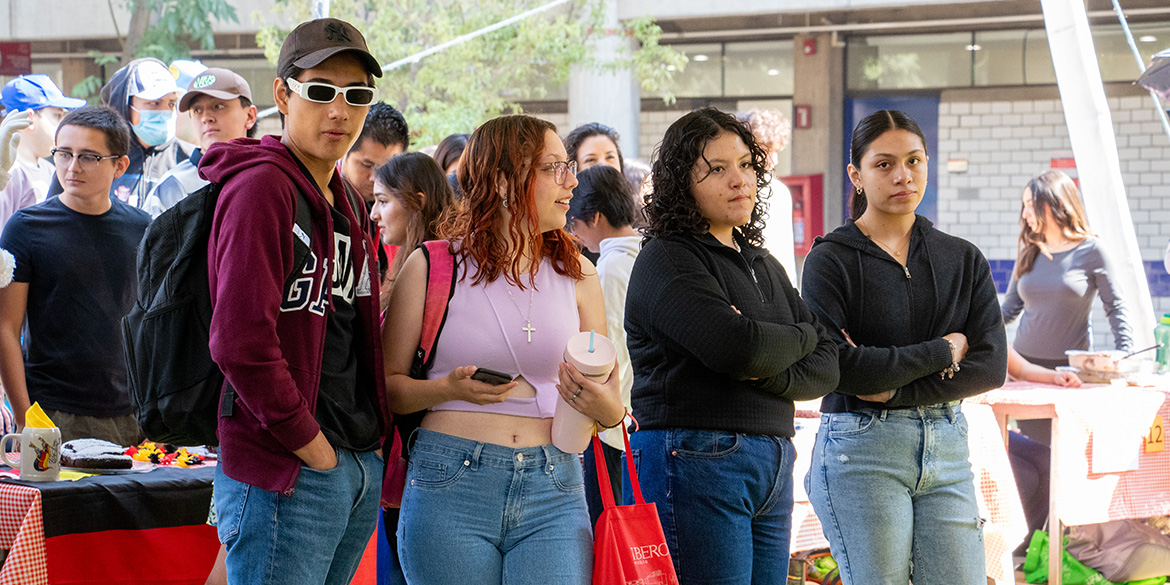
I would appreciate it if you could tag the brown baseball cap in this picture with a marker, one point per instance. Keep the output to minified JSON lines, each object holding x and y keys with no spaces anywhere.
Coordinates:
{"x":317,"y":40}
{"x":217,"y":83}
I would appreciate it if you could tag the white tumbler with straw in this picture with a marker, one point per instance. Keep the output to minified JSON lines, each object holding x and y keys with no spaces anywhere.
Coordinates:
{"x":594,"y":356}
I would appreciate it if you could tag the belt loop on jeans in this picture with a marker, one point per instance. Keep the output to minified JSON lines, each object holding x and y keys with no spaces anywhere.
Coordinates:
{"x":952,"y":407}
{"x":475,"y":454}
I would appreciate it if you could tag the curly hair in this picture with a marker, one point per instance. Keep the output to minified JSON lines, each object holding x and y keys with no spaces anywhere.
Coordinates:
{"x":496,"y":168}
{"x":671,"y":207}
{"x":580,"y":133}
{"x":1054,"y":191}
{"x":771,"y":127}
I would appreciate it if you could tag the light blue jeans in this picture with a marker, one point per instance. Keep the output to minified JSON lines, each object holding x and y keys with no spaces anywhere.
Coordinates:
{"x":724,"y":499}
{"x":482,"y":513}
{"x":894,"y":492}
{"x":317,"y":535}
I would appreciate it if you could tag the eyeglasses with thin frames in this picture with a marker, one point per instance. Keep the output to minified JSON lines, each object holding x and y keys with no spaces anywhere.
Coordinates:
{"x":562,"y":168}
{"x":87,"y":162}
{"x":324,"y":93}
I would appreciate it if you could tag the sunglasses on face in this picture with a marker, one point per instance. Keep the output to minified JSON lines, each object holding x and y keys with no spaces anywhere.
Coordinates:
{"x":562,"y":168}
{"x":324,"y":93}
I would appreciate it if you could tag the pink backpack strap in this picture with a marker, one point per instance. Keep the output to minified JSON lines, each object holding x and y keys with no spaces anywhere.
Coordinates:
{"x":440,"y":288}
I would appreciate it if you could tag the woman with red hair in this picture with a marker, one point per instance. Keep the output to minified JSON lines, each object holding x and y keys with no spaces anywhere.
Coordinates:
{"x":486,"y":486}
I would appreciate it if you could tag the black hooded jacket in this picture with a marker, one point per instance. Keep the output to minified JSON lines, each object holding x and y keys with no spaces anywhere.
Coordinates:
{"x":897,"y":316}
{"x":147,"y":165}
{"x":720,"y":339}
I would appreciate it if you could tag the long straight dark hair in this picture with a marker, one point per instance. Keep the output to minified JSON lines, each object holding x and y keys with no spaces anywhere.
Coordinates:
{"x":868,"y":130}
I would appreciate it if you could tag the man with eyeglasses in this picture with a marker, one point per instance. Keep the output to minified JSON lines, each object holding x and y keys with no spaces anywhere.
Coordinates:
{"x":75,"y":278}
{"x":145,"y":94}
{"x":299,"y":478}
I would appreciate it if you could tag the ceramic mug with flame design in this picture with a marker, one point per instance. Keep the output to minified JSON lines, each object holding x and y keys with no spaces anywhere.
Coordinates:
{"x":40,"y":453}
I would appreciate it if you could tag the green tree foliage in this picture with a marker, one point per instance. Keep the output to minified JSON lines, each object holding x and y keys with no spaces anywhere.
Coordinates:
{"x":459,"y":88}
{"x":163,"y":29}
{"x":179,"y":24}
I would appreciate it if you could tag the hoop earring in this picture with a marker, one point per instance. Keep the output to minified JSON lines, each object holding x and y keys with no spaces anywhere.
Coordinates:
{"x":859,"y":190}
{"x":505,"y":199}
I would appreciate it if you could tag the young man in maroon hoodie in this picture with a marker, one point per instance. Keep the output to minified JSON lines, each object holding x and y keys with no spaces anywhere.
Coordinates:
{"x":299,"y":478}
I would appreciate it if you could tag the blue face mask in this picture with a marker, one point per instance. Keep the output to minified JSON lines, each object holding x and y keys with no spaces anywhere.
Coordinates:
{"x":155,"y":127}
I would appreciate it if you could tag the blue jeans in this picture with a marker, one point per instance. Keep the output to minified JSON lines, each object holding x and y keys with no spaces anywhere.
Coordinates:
{"x":483,"y":513}
{"x":317,"y":535}
{"x":895,"y":495}
{"x":725,"y":501}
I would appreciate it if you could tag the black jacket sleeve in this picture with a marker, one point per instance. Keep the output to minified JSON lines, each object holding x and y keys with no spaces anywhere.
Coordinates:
{"x":817,"y":373}
{"x":865,"y":369}
{"x":985,"y":365}
{"x":693,"y":312}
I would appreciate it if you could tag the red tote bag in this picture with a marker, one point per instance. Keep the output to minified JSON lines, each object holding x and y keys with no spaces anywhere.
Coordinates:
{"x":629,"y":547}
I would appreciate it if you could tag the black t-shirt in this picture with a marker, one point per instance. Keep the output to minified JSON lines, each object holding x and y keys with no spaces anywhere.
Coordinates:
{"x":347,"y":417}
{"x":81,"y":275}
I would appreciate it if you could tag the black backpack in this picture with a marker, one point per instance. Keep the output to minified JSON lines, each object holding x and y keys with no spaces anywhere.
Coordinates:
{"x":174,"y":385}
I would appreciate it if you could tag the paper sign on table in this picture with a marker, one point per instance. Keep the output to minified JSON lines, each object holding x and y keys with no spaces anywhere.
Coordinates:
{"x":1115,"y":445}
{"x":1156,"y":439}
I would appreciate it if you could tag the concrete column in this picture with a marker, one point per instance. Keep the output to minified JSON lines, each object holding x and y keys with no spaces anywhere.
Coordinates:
{"x":817,"y":149}
{"x":613,"y":99}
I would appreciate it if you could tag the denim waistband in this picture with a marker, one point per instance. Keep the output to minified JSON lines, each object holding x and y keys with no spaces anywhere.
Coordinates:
{"x":477,"y":453}
{"x":945,"y":410}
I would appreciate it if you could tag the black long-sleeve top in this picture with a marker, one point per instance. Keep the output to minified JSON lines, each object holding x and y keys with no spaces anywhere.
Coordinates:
{"x":720,"y":339}
{"x":897,"y":317}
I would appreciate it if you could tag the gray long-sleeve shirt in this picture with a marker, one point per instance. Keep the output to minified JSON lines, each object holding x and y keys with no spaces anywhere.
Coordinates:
{"x":1056,"y":298}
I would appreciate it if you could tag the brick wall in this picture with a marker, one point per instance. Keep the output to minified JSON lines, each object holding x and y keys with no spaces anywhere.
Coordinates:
{"x":1008,"y":142}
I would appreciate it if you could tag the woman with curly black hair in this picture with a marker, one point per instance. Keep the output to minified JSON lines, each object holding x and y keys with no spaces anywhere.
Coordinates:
{"x":721,"y":345}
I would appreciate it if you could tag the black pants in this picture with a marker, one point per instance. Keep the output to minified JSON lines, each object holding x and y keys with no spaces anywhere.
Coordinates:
{"x":613,"y":462}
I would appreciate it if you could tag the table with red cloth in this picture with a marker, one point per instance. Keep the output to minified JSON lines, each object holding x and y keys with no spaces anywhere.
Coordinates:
{"x":998,"y":499}
{"x":144,"y":528}
{"x":1102,"y":468}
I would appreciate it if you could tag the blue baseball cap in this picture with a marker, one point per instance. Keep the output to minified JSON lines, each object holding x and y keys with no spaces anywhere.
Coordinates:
{"x":33,"y":92}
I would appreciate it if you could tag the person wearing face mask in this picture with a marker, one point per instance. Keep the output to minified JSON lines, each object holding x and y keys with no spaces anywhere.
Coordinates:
{"x":145,"y":93}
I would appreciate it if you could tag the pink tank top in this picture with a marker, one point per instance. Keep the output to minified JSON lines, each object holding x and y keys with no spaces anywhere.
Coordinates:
{"x":487,"y":328}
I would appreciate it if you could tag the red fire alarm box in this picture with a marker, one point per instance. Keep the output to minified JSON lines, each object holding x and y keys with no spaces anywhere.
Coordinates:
{"x":808,"y":209}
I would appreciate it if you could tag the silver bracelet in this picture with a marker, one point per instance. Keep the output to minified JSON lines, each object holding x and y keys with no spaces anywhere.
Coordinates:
{"x":949,"y":371}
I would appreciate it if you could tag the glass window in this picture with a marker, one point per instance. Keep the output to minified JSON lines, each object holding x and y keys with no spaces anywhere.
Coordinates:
{"x":1038,"y":68}
{"x":762,"y":68}
{"x":703,"y":74}
{"x":909,"y":61}
{"x":1113,"y":52}
{"x":999,"y":57}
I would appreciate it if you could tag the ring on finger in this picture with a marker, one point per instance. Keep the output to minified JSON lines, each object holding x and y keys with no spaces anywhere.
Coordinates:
{"x":578,"y":392}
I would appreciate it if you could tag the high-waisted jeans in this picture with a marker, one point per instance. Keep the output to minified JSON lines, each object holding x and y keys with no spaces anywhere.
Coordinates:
{"x":483,"y":513}
{"x":724,"y":499}
{"x":895,"y":494}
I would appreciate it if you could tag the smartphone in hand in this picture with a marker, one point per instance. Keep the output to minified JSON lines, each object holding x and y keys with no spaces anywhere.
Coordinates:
{"x":491,"y":376}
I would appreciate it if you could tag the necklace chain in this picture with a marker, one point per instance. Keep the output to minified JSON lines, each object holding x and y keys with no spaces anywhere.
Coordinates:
{"x":527,"y":328}
{"x":893,"y":252}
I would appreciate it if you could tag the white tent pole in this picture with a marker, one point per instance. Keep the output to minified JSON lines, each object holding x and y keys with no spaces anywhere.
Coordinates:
{"x":1090,"y":129}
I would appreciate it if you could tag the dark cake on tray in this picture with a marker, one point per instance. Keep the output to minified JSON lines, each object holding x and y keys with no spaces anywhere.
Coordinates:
{"x":94,"y":454}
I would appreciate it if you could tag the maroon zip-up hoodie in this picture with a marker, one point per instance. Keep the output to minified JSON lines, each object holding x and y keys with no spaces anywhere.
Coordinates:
{"x":269,"y":341}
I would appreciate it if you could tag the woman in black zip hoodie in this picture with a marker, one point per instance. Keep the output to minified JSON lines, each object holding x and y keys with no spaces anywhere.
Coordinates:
{"x":916,"y":321}
{"x":721,"y":345}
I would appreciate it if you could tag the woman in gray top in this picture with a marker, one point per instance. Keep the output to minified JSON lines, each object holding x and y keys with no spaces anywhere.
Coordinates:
{"x":1059,"y":269}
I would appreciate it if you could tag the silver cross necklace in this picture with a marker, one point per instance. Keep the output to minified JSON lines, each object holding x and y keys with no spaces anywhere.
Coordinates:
{"x":527,"y":328}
